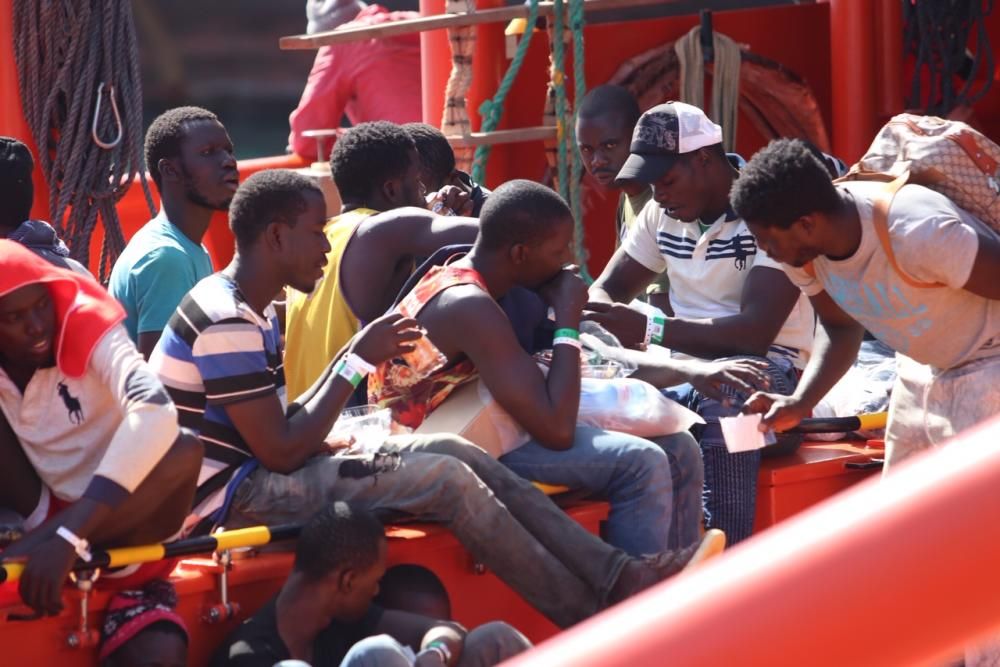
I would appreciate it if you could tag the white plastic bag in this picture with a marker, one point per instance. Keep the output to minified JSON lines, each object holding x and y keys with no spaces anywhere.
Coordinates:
{"x":632,"y":406}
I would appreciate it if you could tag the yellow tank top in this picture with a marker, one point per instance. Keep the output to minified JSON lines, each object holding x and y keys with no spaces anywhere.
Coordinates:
{"x":317,"y":325}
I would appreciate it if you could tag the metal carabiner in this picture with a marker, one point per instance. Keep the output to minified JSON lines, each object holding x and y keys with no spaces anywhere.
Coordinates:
{"x":97,"y":115}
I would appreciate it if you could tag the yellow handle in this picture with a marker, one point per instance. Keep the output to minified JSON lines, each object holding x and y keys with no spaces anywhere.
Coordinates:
{"x":14,"y":571}
{"x":872,"y":421}
{"x":244,"y":537}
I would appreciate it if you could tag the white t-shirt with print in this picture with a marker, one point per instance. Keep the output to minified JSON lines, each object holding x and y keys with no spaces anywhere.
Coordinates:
{"x":707,"y":272}
{"x":934,"y":241}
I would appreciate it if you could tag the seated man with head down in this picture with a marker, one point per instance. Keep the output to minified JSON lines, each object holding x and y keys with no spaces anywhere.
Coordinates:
{"x":220,"y":357}
{"x":526,"y":240}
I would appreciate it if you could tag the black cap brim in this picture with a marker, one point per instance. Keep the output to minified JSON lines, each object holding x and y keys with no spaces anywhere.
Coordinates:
{"x":645,"y":168}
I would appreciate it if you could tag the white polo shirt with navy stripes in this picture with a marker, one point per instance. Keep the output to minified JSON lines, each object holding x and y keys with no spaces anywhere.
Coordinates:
{"x":707,"y":272}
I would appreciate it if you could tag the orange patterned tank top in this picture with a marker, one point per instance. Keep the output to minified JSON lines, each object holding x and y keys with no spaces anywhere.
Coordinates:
{"x":415,"y":384}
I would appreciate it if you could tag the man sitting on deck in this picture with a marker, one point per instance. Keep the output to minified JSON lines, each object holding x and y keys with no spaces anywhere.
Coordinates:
{"x":220,"y":358}
{"x":376,"y":168}
{"x":89,"y":445}
{"x":324,"y":613}
{"x":190,"y":157}
{"x":525,"y":239}
{"x":728,"y":298}
{"x":946,"y":333}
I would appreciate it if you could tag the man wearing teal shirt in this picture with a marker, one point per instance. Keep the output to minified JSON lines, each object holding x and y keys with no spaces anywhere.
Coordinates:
{"x":190,"y":158}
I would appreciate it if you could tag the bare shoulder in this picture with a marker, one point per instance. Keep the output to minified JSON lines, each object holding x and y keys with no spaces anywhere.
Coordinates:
{"x":388,"y":222}
{"x":468,"y":303}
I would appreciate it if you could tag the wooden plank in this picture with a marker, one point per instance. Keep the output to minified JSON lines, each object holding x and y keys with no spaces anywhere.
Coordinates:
{"x":440,"y":21}
{"x":504,"y":136}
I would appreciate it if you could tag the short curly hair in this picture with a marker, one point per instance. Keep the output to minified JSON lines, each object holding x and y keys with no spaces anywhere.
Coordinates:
{"x":436,"y":153}
{"x":338,"y":536}
{"x":368,"y":155}
{"x":16,"y":187}
{"x":520,"y":211}
{"x":268,"y":196}
{"x":610,"y":99}
{"x":781,"y":183}
{"x":163,"y":138}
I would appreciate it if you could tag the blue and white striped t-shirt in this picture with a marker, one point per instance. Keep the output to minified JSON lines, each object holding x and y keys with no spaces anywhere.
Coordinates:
{"x":215,"y":351}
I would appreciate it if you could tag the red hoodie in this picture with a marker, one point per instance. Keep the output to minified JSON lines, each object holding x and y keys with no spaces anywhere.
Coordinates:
{"x":84,"y":309}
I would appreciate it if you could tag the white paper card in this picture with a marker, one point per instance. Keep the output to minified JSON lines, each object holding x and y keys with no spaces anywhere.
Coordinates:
{"x":741,"y":434}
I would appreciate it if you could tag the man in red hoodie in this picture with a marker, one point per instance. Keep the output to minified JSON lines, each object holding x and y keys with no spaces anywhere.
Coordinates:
{"x":90,"y":450}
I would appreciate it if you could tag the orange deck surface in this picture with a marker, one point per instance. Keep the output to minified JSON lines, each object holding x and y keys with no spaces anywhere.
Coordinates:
{"x":786,"y":486}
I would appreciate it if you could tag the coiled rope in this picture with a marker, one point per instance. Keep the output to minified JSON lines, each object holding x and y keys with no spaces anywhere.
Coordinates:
{"x":78,"y":72}
{"x":725,"y":79}
{"x":936,"y":34}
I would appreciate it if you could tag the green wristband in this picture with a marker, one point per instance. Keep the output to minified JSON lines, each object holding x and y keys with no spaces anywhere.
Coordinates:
{"x":567,"y":333}
{"x":659,"y":325}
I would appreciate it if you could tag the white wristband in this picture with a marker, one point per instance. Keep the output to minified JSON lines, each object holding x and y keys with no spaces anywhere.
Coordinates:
{"x":358,"y":364}
{"x":80,"y":545}
{"x":566,"y":340}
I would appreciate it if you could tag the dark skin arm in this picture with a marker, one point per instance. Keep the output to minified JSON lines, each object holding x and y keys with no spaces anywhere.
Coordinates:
{"x":147,"y":342}
{"x":467,"y":321}
{"x":768,"y":297}
{"x":380,"y":256}
{"x":661,"y":370}
{"x":835,"y":349}
{"x":985,"y":269}
{"x":151,"y":513}
{"x":284,"y":443}
{"x":622,"y":280}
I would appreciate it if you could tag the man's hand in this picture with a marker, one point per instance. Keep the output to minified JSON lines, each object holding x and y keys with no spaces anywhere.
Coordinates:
{"x":429,"y":659}
{"x":627,"y":325}
{"x":743,"y":375}
{"x":780,"y":412}
{"x":451,"y":636}
{"x":387,"y":337}
{"x":337,"y":443}
{"x":450,"y":200}
{"x":566,"y":293}
{"x":45,"y":572}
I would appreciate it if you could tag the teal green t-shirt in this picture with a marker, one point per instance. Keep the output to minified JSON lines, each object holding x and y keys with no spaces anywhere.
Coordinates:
{"x":154,"y":272}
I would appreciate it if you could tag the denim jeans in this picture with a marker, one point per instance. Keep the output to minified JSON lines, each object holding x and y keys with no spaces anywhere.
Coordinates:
{"x":503,"y":520}
{"x":687,"y":474}
{"x":730,"y":499}
{"x":485,"y":646}
{"x":632,"y":473}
